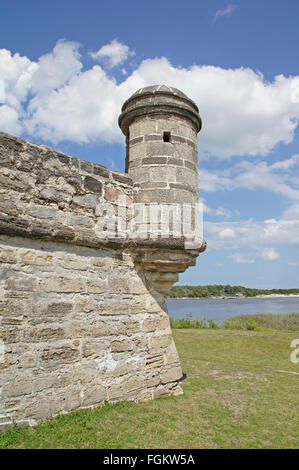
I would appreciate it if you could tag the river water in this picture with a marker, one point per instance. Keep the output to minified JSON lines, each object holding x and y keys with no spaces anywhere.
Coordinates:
{"x":221,"y":309}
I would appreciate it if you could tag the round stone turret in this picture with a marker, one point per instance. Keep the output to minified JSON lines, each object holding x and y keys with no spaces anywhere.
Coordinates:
{"x":160,"y":121}
{"x":161,"y":125}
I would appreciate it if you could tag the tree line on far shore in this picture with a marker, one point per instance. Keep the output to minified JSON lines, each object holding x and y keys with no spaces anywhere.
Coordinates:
{"x":223,"y":291}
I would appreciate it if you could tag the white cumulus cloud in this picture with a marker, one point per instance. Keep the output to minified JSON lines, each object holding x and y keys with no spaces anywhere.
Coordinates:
{"x":112,"y":54}
{"x":9,"y":120}
{"x":16,"y":74}
{"x":277,"y":178}
{"x":253,"y":239}
{"x":56,"y":99}
{"x":218,"y":212}
{"x":225,"y":12}
{"x":227,"y":233}
{"x":237,"y":258}
{"x":56,"y":68}
{"x":270,"y":254}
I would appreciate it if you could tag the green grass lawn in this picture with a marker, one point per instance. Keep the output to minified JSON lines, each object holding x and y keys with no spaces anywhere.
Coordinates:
{"x":241,"y":391}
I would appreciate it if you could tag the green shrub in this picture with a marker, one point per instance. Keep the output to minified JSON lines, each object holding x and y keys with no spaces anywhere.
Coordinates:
{"x":234,"y":323}
{"x":188,"y":322}
{"x":212,"y":324}
{"x":252,"y":325}
{"x":287,"y":321}
{"x":243,"y":322}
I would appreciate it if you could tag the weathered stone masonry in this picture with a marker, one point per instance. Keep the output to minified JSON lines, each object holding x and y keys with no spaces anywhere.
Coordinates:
{"x":81,"y":318}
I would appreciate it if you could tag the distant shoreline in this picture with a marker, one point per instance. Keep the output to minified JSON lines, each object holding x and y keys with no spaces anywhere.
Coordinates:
{"x":273,"y":296}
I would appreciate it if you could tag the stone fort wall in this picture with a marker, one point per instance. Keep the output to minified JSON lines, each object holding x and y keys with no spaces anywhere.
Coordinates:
{"x":81,"y":323}
{"x":82,"y":315}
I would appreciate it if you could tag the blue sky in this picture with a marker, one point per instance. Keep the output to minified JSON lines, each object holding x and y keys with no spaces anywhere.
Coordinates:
{"x":67,"y":66}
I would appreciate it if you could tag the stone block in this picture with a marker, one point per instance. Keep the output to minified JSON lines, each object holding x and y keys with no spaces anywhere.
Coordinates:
{"x":100,"y":170}
{"x":92,"y":185}
{"x":159,"y":148}
{"x":63,"y":284}
{"x":184,"y":186}
{"x":140,"y":174}
{"x":160,"y":341}
{"x":12,"y":405}
{"x":152,"y":378}
{"x":85,"y":372}
{"x":79,"y":329}
{"x":136,"y":286}
{"x":190,"y":165}
{"x":136,"y":140}
{"x":175,"y":161}
{"x":171,"y":375}
{"x":58,"y":355}
{"x":154,"y":195}
{"x":122,"y":178}
{"x":10,"y":334}
{"x":42,"y":212}
{"x":170,"y":355}
{"x":52,"y":195}
{"x":96,"y":286}
{"x":138,"y":151}
{"x":135,"y":383}
{"x":72,"y":399}
{"x":59,"y":308}
{"x":21,"y":282}
{"x":74,"y":183}
{"x":116,"y":195}
{"x":87,"y":167}
{"x":88,"y":201}
{"x":153,"y":137}
{"x":153,"y":184}
{"x":115,"y":392}
{"x":155,"y":160}
{"x":63,"y":377}
{"x":11,"y":307}
{"x":39,"y":408}
{"x":121,"y":345}
{"x":8,"y":255}
{"x":72,"y":263}
{"x":163,"y":322}
{"x":63,"y":233}
{"x":43,"y":382}
{"x":27,"y":360}
{"x":170,"y":125}
{"x":94,"y":347}
{"x":149,"y":325}
{"x":82,"y":221}
{"x":13,"y":185}
{"x":160,"y":391}
{"x":131,"y":326}
{"x":85,"y":304}
{"x":145,"y":395}
{"x":165,"y":174}
{"x":142,"y":127}
{"x":18,"y":387}
{"x":36,"y":258}
{"x":154,"y":360}
{"x":43,"y":334}
{"x":94,"y":395}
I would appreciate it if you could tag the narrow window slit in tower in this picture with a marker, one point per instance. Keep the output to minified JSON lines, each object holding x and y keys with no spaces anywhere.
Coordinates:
{"x":166,"y":136}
